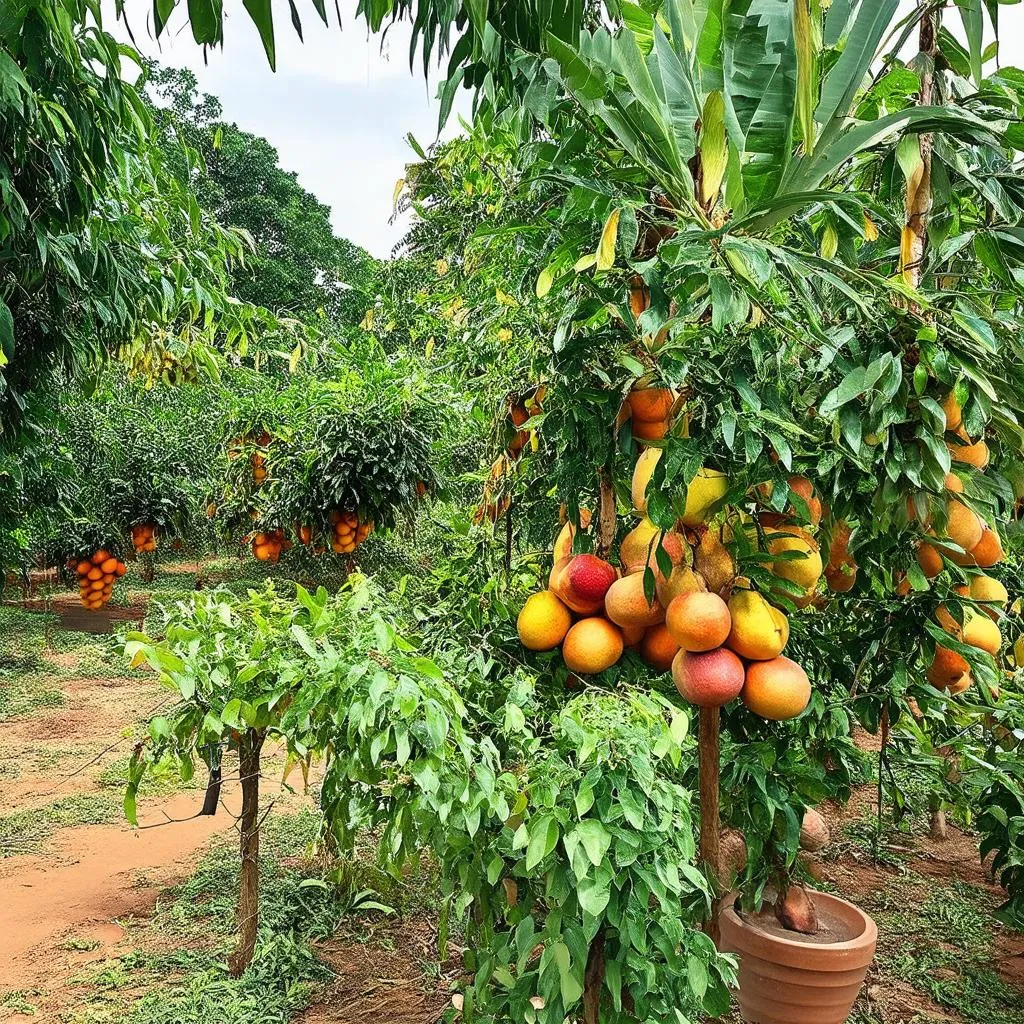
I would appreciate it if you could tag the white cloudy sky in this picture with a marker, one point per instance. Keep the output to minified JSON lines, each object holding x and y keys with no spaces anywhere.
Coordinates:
{"x":338,"y":109}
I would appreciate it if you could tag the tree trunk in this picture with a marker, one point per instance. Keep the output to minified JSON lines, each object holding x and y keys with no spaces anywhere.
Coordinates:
{"x":709,"y":771}
{"x":148,"y":568}
{"x":249,"y":844}
{"x":593,"y":981}
{"x":938,"y":823}
{"x":606,"y":516}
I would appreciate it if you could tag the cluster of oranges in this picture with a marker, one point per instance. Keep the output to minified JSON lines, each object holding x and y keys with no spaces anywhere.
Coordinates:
{"x":144,"y":537}
{"x":267,"y":547}
{"x":349,"y":532}
{"x":96,"y":575}
{"x":258,"y":461}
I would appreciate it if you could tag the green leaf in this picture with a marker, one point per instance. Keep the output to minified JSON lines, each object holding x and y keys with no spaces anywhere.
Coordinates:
{"x":205,"y":17}
{"x":594,"y":838}
{"x":544,"y":833}
{"x":6,"y":333}
{"x":571,"y":987}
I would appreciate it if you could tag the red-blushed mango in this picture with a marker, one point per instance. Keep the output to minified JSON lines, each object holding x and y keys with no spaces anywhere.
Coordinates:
{"x":708,"y":679}
{"x":543,"y":622}
{"x":626,"y":603}
{"x":589,"y":577}
{"x":658,"y":648}
{"x":777,"y":689}
{"x":699,"y":621}
{"x":592,"y":645}
{"x":759,"y":630}
{"x":558,"y":584}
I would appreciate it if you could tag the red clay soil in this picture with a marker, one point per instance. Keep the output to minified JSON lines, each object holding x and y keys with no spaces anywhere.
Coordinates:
{"x":89,"y":879}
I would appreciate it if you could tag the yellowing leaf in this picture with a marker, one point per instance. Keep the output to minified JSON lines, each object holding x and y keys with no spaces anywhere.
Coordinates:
{"x":293,"y":361}
{"x":606,"y":247}
{"x":399,"y":185}
{"x":441,"y":267}
{"x":870,"y":229}
{"x":428,"y":351}
{"x":585,"y":262}
{"x":544,"y":282}
{"x":829,"y":243}
{"x":714,"y":151}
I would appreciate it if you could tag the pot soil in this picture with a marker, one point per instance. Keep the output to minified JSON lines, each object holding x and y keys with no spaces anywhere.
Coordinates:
{"x":789,"y":978}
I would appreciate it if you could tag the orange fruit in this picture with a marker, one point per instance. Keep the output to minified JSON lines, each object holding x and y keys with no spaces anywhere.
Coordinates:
{"x":777,"y":689}
{"x":650,"y":405}
{"x":121,"y":569}
{"x":626,"y":603}
{"x":95,"y":573}
{"x":989,"y":550}
{"x":592,"y":645}
{"x":83,"y":567}
{"x":946,"y":668}
{"x":649,"y":431}
{"x":109,"y":565}
{"x":100,"y":557}
{"x":543,"y":622}
{"x":699,"y":621}
{"x":929,"y":559}
{"x":658,"y":648}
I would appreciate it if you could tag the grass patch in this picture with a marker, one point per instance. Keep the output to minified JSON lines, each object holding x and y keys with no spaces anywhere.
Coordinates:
{"x":943,"y":946}
{"x":24,"y":831}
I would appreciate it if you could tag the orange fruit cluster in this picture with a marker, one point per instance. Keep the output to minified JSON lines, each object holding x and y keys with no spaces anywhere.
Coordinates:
{"x":267,"y":547}
{"x":349,"y":532}
{"x":144,"y":537}
{"x":259,"y":468}
{"x":96,"y":575}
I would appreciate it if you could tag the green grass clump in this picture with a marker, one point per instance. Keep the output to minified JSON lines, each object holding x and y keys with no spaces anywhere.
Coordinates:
{"x":24,"y":831}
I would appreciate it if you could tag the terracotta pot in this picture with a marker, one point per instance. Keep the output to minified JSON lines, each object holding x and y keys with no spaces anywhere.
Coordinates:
{"x":795,"y":980}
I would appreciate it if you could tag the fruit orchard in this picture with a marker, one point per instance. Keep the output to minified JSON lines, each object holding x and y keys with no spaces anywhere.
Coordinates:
{"x":600,"y":550}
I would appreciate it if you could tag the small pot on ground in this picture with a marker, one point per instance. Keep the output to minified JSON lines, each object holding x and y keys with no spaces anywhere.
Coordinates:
{"x":789,"y":978}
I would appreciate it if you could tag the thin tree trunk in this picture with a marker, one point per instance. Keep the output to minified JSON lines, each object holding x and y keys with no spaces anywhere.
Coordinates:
{"x":606,"y":516}
{"x":593,"y":981}
{"x":938,"y":828}
{"x":249,"y":844}
{"x":148,"y":573}
{"x":709,"y":772}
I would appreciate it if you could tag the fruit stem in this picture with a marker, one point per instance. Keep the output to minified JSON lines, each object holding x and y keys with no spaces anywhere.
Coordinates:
{"x":709,"y":772}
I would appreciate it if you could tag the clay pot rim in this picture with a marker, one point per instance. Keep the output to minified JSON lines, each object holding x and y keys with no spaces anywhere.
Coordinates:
{"x":868,"y":938}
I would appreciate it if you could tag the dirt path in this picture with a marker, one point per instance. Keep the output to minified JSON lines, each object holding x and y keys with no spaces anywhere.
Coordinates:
{"x":78,"y":881}
{"x":89,"y":878}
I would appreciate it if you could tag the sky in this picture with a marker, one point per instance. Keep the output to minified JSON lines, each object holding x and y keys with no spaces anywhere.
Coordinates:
{"x":338,"y":109}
